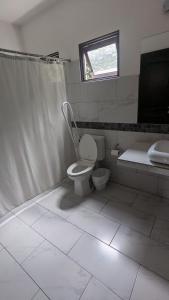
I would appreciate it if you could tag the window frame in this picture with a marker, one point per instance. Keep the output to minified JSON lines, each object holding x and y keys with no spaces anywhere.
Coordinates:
{"x":93,"y":44}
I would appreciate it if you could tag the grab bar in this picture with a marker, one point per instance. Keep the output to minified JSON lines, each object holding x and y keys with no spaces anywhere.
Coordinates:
{"x":70,"y":127}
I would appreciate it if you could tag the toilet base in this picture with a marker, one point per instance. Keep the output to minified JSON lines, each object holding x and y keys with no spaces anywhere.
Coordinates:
{"x":82,"y":187}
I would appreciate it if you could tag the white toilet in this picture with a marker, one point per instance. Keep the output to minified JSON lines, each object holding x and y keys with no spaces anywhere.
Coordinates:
{"x":91,"y":149}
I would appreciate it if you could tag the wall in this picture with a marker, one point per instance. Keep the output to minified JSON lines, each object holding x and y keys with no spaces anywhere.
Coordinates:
{"x":114,"y":101}
{"x":102,"y":101}
{"x":73,"y":21}
{"x":155,"y":42}
{"x":9,"y":37}
{"x":70,"y":22}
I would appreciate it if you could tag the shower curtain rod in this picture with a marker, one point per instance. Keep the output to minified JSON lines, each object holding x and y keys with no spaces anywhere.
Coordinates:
{"x":51,"y":57}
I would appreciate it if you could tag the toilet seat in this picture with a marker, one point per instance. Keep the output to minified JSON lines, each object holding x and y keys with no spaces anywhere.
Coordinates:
{"x":80,"y":167}
{"x":81,"y":170}
{"x":88,"y":156}
{"x":88,"y":148}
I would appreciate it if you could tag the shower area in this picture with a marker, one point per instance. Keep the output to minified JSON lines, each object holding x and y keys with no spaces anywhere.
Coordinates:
{"x":35,"y":146}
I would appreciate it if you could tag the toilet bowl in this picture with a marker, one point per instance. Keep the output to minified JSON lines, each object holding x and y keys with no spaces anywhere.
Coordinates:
{"x":100,"y":178}
{"x":80,"y":171}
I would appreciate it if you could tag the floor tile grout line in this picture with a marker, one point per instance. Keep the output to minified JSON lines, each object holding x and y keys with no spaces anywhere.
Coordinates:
{"x":37,"y":294}
{"x":73,"y":260}
{"x":23,"y":269}
{"x":7,"y":220}
{"x":100,"y":212}
{"x":2,"y":247}
{"x":82,"y":266}
{"x":125,"y":224}
{"x":135,"y":282}
{"x":116,"y":250}
{"x":77,"y":202}
{"x":152,"y":228}
{"x":30,"y":225}
{"x":120,"y":224}
{"x":141,"y":264}
{"x":86,"y":287}
{"x":115,"y":234}
{"x":104,"y":216}
{"x":79,"y":228}
{"x":46,"y":240}
{"x":37,"y":198}
{"x":68,"y":221}
{"x":106,"y":202}
{"x":50,"y":191}
{"x":130,"y":207}
{"x":30,"y":254}
{"x":115,"y":198}
{"x":98,"y":279}
{"x":83,"y":233}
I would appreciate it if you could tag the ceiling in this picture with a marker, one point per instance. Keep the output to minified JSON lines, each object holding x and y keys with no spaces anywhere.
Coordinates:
{"x":20,"y":11}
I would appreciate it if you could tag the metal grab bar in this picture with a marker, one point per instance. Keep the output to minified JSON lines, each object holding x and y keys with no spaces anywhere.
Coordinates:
{"x":70,"y":127}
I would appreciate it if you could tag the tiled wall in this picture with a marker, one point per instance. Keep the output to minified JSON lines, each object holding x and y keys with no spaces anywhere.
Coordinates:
{"x":102,"y":101}
{"x":114,"y":101}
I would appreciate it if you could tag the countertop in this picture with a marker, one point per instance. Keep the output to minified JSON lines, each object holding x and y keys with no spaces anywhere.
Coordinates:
{"x":137,"y":157}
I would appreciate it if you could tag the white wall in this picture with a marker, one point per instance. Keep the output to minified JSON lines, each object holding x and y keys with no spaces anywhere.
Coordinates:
{"x":72,"y":21}
{"x":155,"y":42}
{"x":9,"y":37}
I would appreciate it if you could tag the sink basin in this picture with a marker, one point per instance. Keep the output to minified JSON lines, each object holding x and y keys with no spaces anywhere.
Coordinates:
{"x":159,"y":152}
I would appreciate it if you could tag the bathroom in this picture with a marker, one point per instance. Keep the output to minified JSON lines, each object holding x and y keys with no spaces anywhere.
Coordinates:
{"x":65,"y":231}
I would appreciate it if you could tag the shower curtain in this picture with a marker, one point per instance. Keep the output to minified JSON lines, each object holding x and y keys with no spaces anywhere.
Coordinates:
{"x":35,"y":148}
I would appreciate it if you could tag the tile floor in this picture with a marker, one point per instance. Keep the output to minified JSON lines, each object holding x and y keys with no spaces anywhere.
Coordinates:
{"x":109,"y":245}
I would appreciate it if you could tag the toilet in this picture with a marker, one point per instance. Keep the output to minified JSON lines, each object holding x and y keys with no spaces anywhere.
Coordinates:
{"x":91,"y":149}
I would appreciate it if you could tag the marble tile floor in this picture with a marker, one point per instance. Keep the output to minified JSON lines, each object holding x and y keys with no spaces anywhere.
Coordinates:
{"x":109,"y":245}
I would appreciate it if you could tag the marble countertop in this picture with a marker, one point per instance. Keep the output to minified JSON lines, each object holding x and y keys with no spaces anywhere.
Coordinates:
{"x":137,"y":157}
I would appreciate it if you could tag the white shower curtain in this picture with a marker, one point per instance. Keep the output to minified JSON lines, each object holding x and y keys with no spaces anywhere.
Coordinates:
{"x":35,"y":148}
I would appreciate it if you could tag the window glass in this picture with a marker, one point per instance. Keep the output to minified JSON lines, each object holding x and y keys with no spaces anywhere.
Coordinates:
{"x":99,"y":58}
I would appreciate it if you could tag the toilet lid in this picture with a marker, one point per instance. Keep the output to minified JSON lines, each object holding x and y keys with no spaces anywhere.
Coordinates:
{"x":88,"y":148}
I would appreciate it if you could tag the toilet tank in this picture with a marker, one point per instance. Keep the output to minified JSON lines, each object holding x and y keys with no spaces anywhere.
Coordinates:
{"x":100,"y":142}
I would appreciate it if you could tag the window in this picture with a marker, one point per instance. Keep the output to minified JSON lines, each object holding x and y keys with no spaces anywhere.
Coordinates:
{"x":99,"y":58}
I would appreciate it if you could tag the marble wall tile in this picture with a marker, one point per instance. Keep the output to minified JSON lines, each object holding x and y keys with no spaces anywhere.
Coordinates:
{"x":111,"y":139}
{"x":88,"y":111}
{"x":118,"y":112}
{"x":98,"y":90}
{"x":75,"y":111}
{"x":127,"y":87}
{"x":126,"y":138}
{"x":118,"y":97}
{"x":147,"y":182}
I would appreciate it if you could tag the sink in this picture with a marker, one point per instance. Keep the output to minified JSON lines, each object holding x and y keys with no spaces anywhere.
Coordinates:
{"x":159,"y":152}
